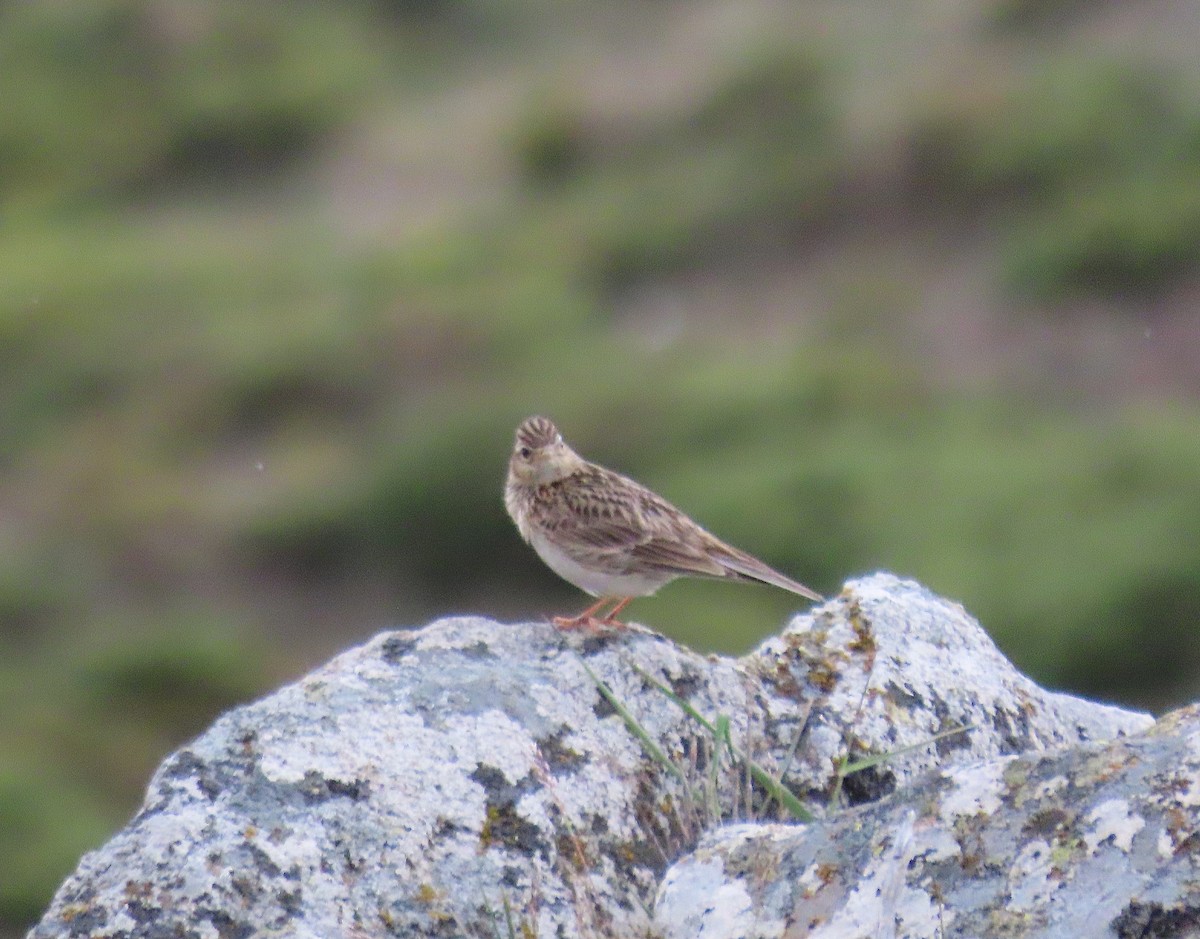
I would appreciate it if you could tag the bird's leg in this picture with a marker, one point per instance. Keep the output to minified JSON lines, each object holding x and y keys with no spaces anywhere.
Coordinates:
{"x":586,"y":618}
{"x":611,"y":618}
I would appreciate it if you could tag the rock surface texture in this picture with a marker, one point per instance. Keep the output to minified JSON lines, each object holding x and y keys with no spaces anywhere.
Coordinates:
{"x":479,"y":779}
{"x":1098,"y":840}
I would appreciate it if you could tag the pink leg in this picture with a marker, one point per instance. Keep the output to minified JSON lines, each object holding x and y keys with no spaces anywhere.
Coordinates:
{"x":586,"y":618}
{"x":611,"y":618}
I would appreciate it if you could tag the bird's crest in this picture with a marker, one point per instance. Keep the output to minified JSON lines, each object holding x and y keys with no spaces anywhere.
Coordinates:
{"x":537,"y":432}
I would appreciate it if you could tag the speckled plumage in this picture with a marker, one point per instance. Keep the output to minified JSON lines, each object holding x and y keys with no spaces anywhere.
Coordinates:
{"x":608,"y":535}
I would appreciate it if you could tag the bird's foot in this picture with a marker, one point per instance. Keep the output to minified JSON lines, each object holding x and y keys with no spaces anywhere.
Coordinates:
{"x":571,"y":623}
{"x":587,"y":620}
{"x":593,"y":624}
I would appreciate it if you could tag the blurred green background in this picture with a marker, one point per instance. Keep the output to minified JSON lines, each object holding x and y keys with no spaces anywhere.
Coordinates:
{"x":909,"y":286}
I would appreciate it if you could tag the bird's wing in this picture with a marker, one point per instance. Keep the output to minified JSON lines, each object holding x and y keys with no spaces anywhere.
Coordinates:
{"x":586,"y":514}
{"x":606,"y":519}
{"x":624,"y":544}
{"x":599,"y":516}
{"x":669,"y":555}
{"x":674,"y":543}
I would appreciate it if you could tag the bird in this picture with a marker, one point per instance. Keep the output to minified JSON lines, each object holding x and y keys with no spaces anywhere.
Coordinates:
{"x":610,"y":536}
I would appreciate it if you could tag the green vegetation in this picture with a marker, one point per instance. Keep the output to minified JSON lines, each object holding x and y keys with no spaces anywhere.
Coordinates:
{"x":1096,"y":162}
{"x":277,"y":282}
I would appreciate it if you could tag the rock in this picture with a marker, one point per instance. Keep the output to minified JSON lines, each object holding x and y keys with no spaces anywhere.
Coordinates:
{"x":889,"y":666}
{"x":471,"y":779}
{"x":1093,"y":840}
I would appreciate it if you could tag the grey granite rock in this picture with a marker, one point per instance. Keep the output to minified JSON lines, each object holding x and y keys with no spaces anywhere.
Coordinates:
{"x":1087,"y":841}
{"x":469,"y":778}
{"x":889,"y":665}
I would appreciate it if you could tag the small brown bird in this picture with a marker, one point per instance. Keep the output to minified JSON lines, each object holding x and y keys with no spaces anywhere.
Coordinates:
{"x":606,"y":534}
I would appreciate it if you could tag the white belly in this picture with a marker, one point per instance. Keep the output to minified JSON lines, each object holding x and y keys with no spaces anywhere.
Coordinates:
{"x":598,"y":584}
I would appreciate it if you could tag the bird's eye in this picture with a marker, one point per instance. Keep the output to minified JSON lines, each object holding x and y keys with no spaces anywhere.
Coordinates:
{"x":524,"y":453}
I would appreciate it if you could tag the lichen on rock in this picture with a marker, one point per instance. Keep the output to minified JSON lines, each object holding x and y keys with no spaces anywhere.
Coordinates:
{"x":469,"y":776}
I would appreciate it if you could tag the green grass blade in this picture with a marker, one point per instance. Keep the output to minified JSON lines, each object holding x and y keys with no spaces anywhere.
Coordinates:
{"x":875,"y":759}
{"x":774,"y":787}
{"x":652,"y":749}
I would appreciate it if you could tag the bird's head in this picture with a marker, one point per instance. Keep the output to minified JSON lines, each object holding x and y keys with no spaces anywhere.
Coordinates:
{"x":539,"y":454}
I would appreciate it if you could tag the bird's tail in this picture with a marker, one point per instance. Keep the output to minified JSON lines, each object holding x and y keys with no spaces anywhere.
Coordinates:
{"x":742,"y":565}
